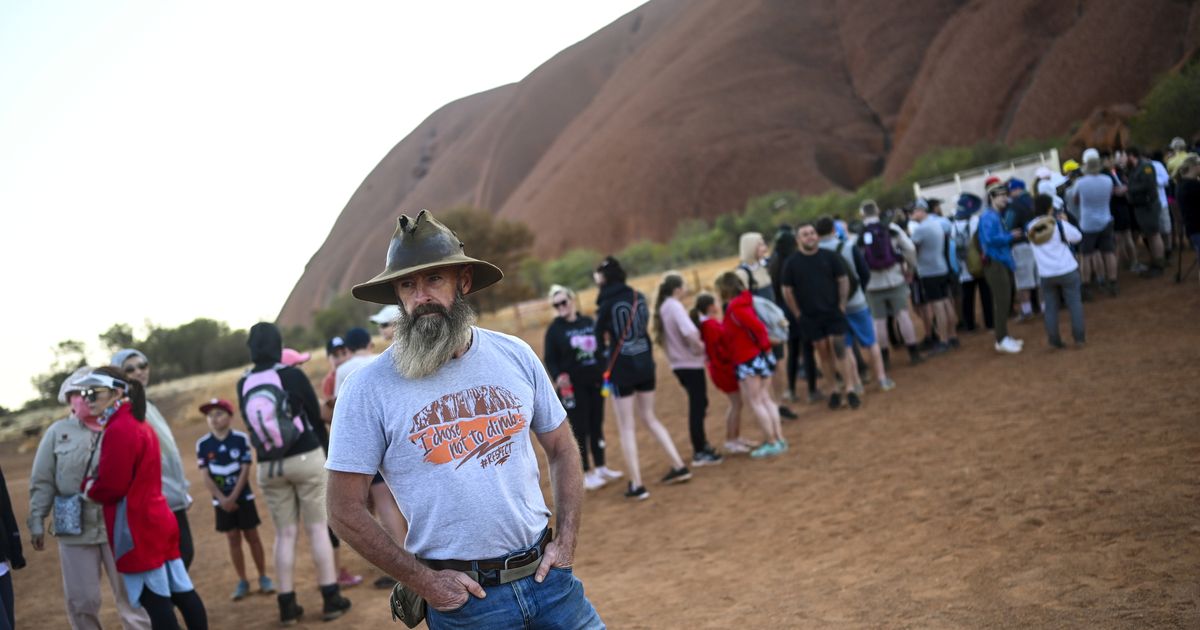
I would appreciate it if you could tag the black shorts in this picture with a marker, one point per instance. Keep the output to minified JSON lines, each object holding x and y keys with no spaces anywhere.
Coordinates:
{"x":917,"y":292}
{"x":819,"y":327}
{"x":777,"y":350}
{"x":935,"y":288}
{"x":243,"y":518}
{"x":1122,"y":218}
{"x":1102,"y":240}
{"x":377,"y":479}
{"x":624,"y":391}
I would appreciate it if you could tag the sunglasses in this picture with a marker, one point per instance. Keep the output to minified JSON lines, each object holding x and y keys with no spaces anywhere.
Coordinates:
{"x":387,"y":324}
{"x":561,"y":304}
{"x":130,"y":369}
{"x":92,"y":394}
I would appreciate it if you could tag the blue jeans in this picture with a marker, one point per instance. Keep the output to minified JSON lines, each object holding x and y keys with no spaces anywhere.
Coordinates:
{"x":558,"y":602}
{"x":1069,"y":284}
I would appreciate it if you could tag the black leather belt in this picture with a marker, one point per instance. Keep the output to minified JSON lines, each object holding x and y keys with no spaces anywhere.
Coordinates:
{"x":483,"y":568}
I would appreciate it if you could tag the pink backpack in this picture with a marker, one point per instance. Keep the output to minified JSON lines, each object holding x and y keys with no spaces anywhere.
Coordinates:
{"x":273,"y":426}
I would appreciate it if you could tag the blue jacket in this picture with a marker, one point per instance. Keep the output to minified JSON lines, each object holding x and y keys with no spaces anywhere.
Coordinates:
{"x":994,"y":239}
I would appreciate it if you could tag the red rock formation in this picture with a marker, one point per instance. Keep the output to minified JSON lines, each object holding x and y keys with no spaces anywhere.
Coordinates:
{"x":685,"y":108}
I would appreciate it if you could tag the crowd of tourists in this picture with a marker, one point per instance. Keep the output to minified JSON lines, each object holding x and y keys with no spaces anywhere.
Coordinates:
{"x":823,"y":303}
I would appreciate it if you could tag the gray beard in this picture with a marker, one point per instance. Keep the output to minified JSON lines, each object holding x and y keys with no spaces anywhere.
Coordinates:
{"x":424,"y":344}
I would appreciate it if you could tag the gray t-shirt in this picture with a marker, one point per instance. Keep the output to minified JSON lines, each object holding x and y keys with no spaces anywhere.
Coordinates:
{"x":454,"y":447}
{"x":1095,"y":193}
{"x":930,"y":238}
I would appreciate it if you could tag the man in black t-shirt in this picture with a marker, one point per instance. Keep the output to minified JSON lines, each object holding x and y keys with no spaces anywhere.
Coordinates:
{"x":816,"y":288}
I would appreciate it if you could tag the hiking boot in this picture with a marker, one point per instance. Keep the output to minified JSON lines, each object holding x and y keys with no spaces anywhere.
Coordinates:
{"x":335,"y":604}
{"x":853,"y":400}
{"x":835,"y":400}
{"x":1057,"y":343}
{"x":242,"y":590}
{"x":265,"y":585}
{"x":639,"y":493}
{"x":787,"y":414}
{"x":887,"y":385}
{"x":707,"y":457}
{"x":289,"y":611}
{"x":914,"y":355}
{"x":677,"y":475}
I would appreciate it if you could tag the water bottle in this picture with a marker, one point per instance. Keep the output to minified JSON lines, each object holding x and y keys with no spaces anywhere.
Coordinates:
{"x":568,"y":397}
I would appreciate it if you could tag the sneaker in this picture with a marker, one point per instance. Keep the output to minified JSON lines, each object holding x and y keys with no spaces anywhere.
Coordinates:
{"x":348,"y":580}
{"x":853,"y":400}
{"x":887,"y":385}
{"x":938,"y":348}
{"x":1057,"y":343}
{"x":1007,"y":346}
{"x":593,"y":481}
{"x":770,"y":449}
{"x":385,"y":582}
{"x":954,"y":343}
{"x":735,"y":447}
{"x":1112,"y":289}
{"x":782,"y":446}
{"x":707,"y":457}
{"x":835,"y":400}
{"x":789,"y":396}
{"x":677,"y":475}
{"x":815,"y":397}
{"x":747,"y":443}
{"x":787,"y":414}
{"x":639,"y":493}
{"x":265,"y":585}
{"x":609,"y":474}
{"x":242,"y":590}
{"x":1153,"y":272}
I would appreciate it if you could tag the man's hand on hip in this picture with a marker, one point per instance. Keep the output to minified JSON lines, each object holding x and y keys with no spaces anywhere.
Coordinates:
{"x":451,"y":589}
{"x":553,"y":557}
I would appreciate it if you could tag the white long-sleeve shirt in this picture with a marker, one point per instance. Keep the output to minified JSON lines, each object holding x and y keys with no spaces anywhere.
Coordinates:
{"x":1054,"y":257}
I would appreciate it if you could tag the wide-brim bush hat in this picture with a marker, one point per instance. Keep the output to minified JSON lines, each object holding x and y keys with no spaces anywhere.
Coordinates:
{"x":417,"y":245}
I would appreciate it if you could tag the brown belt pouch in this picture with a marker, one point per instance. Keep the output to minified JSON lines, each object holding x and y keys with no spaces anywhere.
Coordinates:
{"x":407,"y":606}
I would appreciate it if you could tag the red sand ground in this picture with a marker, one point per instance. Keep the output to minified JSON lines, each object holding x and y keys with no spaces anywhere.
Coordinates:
{"x":1048,"y":489}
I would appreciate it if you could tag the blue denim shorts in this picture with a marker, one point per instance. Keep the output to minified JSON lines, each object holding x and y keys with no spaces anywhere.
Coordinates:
{"x":558,"y":602}
{"x":862,"y":328}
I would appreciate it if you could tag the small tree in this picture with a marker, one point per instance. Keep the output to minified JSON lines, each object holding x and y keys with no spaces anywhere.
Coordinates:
{"x":1172,"y":108}
{"x":68,"y":357}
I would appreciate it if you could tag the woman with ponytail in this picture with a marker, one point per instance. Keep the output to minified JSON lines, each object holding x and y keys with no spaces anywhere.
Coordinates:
{"x":680,"y":338}
{"x":142,"y":531}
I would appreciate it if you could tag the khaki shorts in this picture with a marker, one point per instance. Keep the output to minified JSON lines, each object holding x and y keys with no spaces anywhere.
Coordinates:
{"x":299,"y":492}
{"x":887,"y":302}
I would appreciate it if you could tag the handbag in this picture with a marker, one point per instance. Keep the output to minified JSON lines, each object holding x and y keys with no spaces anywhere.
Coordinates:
{"x":68,"y":511}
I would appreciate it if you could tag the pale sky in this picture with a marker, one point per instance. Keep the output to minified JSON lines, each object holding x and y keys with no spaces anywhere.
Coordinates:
{"x":165,"y":161}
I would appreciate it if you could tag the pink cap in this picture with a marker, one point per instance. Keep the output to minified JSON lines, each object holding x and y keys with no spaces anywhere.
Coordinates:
{"x":292,"y":357}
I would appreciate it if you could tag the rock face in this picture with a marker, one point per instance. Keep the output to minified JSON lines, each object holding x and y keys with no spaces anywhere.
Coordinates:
{"x":685,"y":108}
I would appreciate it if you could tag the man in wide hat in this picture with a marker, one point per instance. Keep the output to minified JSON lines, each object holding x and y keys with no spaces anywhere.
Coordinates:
{"x":444,"y":415}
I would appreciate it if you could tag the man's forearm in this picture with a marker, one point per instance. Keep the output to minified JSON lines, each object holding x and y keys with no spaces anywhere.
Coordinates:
{"x":843,"y":292}
{"x":350,"y":520}
{"x":567,"y":480}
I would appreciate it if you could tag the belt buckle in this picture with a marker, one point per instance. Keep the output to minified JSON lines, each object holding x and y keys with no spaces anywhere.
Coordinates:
{"x":528,"y":554}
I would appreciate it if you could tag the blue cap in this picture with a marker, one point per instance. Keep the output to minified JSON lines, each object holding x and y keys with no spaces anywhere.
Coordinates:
{"x":1016,"y":184}
{"x":357,"y":339}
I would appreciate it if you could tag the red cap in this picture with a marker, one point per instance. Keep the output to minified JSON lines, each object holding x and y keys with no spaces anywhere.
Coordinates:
{"x":216,"y":403}
{"x":991,"y":181}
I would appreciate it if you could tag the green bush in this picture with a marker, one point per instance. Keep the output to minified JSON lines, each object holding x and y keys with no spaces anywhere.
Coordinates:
{"x":645,"y":257}
{"x":1172,"y":108}
{"x":573,"y":269}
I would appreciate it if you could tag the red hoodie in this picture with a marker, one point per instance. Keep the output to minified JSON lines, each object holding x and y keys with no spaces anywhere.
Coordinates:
{"x":130,"y":468}
{"x":720,"y":370}
{"x":745,"y":336}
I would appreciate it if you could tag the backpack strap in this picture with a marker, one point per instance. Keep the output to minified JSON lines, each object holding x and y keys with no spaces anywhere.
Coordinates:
{"x":750,"y":282}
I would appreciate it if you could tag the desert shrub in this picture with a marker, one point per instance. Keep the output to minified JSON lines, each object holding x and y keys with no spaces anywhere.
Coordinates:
{"x":1171,"y":108}
{"x":573,"y":269}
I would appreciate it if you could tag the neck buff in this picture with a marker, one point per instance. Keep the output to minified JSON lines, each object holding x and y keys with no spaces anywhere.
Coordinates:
{"x":109,"y":411}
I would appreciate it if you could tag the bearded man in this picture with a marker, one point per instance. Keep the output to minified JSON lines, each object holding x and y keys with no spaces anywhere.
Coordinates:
{"x":444,"y":414}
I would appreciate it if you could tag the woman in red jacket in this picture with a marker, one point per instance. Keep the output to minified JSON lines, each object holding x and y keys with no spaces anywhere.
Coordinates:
{"x":706,"y":315}
{"x":142,"y":530}
{"x":749,"y":350}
